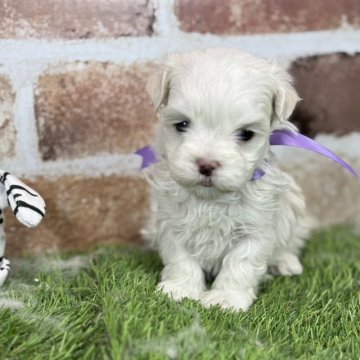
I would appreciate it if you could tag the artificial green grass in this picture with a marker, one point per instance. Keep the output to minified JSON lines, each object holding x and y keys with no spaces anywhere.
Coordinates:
{"x":110,"y":310}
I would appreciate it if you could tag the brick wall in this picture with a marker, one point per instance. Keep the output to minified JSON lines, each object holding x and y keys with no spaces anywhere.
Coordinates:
{"x":73,"y":107}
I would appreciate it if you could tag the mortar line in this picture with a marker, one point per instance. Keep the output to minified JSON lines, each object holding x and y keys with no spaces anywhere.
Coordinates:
{"x":128,"y":50}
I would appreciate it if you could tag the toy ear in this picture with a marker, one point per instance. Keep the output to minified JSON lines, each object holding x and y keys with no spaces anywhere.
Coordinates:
{"x":158,"y":87}
{"x":26,"y":204}
{"x":285,"y":99}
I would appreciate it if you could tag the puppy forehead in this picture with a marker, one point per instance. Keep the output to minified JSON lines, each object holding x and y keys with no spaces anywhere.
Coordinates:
{"x":204,"y":68}
{"x":234,"y":99}
{"x":215,"y":81}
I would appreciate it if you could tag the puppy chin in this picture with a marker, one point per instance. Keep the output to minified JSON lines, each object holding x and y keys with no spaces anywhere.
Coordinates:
{"x":202,"y":190}
{"x":206,"y":192}
{"x":209,"y":187}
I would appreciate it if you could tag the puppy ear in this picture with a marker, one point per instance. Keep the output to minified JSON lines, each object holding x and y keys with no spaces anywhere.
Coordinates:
{"x":158,"y":87}
{"x":284,"y":100}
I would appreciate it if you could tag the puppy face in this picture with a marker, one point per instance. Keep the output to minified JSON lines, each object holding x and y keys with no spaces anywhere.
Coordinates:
{"x":217,"y":109}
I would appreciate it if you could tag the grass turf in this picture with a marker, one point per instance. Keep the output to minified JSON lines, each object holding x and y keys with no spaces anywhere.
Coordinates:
{"x":110,"y":310}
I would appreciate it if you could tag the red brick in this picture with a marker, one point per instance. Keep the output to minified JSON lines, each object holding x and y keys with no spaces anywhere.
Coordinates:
{"x":264,"y":16}
{"x":331,"y":94}
{"x":7,"y":125}
{"x":82,"y":213}
{"x":73,"y":19}
{"x":332,"y":194}
{"x":85,"y":109}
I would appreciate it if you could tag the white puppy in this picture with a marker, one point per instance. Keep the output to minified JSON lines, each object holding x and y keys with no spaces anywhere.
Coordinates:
{"x":217,"y":109}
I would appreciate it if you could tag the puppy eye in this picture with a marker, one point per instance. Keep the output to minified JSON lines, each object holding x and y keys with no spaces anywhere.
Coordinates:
{"x":245,"y":135}
{"x":182,"y":126}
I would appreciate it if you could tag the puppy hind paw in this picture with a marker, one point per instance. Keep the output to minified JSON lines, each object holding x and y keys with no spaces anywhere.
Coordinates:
{"x":289,"y":264}
{"x":235,"y":301}
{"x":178,"y":291}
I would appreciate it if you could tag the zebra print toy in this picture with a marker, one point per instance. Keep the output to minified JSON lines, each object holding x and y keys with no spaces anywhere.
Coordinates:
{"x":26,"y":204}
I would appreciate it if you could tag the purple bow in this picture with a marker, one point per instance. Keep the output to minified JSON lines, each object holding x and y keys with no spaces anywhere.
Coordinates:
{"x":148,"y":156}
{"x":278,"y":137}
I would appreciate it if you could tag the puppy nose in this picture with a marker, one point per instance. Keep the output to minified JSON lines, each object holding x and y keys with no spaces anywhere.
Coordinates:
{"x":206,"y":167}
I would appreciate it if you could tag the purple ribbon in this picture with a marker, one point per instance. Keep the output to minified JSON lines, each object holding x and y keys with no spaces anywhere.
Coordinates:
{"x":278,"y":137}
{"x":293,"y":139}
{"x":148,"y":157}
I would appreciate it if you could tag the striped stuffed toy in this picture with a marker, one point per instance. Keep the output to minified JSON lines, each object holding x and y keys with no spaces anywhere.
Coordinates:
{"x":26,"y":204}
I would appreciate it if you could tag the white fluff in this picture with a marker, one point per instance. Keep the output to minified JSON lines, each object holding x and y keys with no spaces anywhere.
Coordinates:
{"x":11,"y":304}
{"x":235,"y":228}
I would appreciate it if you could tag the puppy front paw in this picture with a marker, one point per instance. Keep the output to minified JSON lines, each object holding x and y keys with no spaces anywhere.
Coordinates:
{"x":178,"y":291}
{"x":289,"y":264}
{"x":234,"y":300}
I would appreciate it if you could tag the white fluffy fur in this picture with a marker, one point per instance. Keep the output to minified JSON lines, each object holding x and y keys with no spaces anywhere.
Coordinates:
{"x":236,"y":229}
